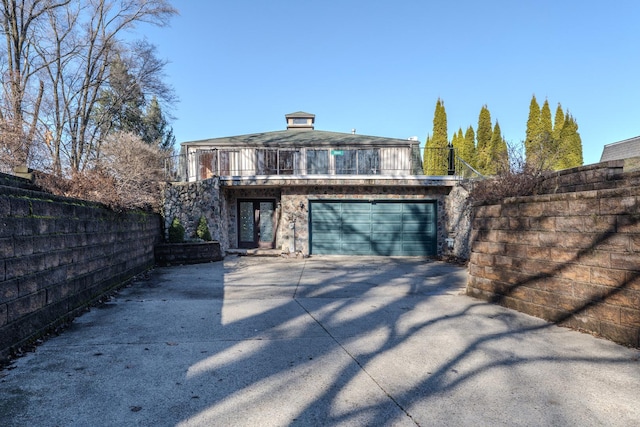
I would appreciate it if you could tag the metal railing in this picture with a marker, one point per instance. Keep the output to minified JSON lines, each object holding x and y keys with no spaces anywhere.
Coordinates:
{"x":204,"y":164}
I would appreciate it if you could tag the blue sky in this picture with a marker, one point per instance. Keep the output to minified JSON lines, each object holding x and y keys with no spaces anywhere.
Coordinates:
{"x":238,"y":66}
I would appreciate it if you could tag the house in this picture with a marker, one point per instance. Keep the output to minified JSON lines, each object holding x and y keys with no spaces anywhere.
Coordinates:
{"x":307,"y":191}
{"x":621,"y":150}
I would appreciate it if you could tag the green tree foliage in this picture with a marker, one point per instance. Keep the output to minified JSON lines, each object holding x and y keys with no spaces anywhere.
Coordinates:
{"x":533,"y":129}
{"x":468,"y":153}
{"x":155,"y":129}
{"x":570,"y":144}
{"x":128,"y":110}
{"x":426,"y":155}
{"x":202,"y":231}
{"x":558,"y":123}
{"x":121,"y":103}
{"x":552,"y":146}
{"x":176,"y":231}
{"x":498,"y":155}
{"x":435,"y":158}
{"x":483,"y":136}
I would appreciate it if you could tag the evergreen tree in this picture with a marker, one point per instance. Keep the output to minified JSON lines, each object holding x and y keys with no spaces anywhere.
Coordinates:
{"x":122,"y":102}
{"x":155,"y":129}
{"x":426,"y":156}
{"x":549,"y":150}
{"x":558,"y":143}
{"x":127,"y":110}
{"x":435,"y":159}
{"x":483,"y":136}
{"x":533,"y":131}
{"x":468,"y":153}
{"x":571,"y":144}
{"x":558,"y":123}
{"x":498,"y":155}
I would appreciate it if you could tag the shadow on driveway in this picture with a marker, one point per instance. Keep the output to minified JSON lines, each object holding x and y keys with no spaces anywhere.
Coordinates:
{"x":347,"y":341}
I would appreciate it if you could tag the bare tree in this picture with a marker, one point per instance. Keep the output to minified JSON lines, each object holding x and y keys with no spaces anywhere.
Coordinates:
{"x":82,"y":61}
{"x":21,"y":96}
{"x":67,"y":46}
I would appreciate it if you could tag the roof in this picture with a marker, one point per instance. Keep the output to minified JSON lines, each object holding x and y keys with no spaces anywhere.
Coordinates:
{"x":620,"y":150}
{"x":301,"y":138}
{"x":301,"y":114}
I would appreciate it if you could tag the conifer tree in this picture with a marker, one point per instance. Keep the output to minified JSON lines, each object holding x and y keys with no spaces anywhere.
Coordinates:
{"x":499,"y":159}
{"x":571,"y":144}
{"x":558,"y":123}
{"x":435,"y":159}
{"x":484,"y":135}
{"x":559,"y":159}
{"x":469,"y":152}
{"x":549,"y":150}
{"x":533,"y":131}
{"x":426,"y":156}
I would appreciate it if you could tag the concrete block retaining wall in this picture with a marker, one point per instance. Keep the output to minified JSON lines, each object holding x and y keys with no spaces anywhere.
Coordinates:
{"x":57,"y":255}
{"x":572,"y":257}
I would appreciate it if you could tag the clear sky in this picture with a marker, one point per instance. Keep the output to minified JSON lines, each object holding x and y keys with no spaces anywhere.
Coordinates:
{"x":238,"y":66}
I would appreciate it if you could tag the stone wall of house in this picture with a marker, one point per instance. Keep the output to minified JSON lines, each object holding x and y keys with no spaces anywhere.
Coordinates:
{"x":570,"y":256}
{"x":57,"y":255}
{"x":188,"y":201}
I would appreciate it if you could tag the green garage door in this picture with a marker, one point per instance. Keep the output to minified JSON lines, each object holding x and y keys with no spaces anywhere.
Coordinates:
{"x":406,"y":228}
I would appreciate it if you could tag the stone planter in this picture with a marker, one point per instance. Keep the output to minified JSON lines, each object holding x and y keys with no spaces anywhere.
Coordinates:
{"x":187,"y":253}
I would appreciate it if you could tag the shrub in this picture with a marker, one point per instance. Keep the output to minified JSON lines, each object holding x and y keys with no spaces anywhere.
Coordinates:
{"x":203,"y":230}
{"x":127,"y":175}
{"x":176,"y":231}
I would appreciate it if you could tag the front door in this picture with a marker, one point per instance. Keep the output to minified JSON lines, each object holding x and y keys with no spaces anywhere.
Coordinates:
{"x":256,"y":224}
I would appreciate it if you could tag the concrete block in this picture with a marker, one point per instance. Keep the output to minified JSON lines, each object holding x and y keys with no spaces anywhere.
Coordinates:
{"x":25,"y":305}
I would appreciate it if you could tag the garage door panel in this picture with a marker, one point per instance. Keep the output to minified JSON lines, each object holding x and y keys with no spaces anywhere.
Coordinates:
{"x":359,"y":248}
{"x":386,"y":207}
{"x":395,"y":227}
{"x":355,"y":238}
{"x":373,"y":228}
{"x":387,"y":216}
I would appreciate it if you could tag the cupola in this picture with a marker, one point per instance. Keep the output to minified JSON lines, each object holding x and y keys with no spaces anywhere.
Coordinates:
{"x":300,"y":120}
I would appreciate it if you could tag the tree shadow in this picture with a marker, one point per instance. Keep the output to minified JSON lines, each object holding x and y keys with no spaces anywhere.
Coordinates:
{"x":360,"y":324}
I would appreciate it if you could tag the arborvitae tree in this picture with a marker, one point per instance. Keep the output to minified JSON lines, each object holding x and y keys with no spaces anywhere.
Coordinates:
{"x":469,"y":152}
{"x":533,"y":130}
{"x":498,"y":152}
{"x":549,"y":150}
{"x":558,"y":144}
{"x":484,"y":135}
{"x":435,"y":161}
{"x":571,"y":144}
{"x":426,"y":156}
{"x":558,"y":123}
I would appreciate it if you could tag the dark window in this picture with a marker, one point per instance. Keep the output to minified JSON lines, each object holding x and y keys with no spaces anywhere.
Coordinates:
{"x":369,"y":162}
{"x":346,"y":162}
{"x":317,"y":161}
{"x":267,"y":162}
{"x":286,"y":162}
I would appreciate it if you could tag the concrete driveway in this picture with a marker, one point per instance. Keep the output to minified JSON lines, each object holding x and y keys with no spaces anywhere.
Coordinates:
{"x":325,"y":341}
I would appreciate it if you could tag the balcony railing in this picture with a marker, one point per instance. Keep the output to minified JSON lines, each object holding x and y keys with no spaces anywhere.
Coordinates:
{"x":204,"y":164}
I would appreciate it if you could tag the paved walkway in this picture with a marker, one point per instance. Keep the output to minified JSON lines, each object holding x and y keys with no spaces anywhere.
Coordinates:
{"x":325,"y":341}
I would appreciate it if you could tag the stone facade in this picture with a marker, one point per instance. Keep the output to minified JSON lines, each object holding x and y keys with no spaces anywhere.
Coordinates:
{"x":218,"y":200}
{"x":571,"y":256}
{"x":188,"y":201}
{"x":57,"y":255}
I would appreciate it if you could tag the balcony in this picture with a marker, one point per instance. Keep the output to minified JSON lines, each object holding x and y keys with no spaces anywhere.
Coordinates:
{"x":317,"y":164}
